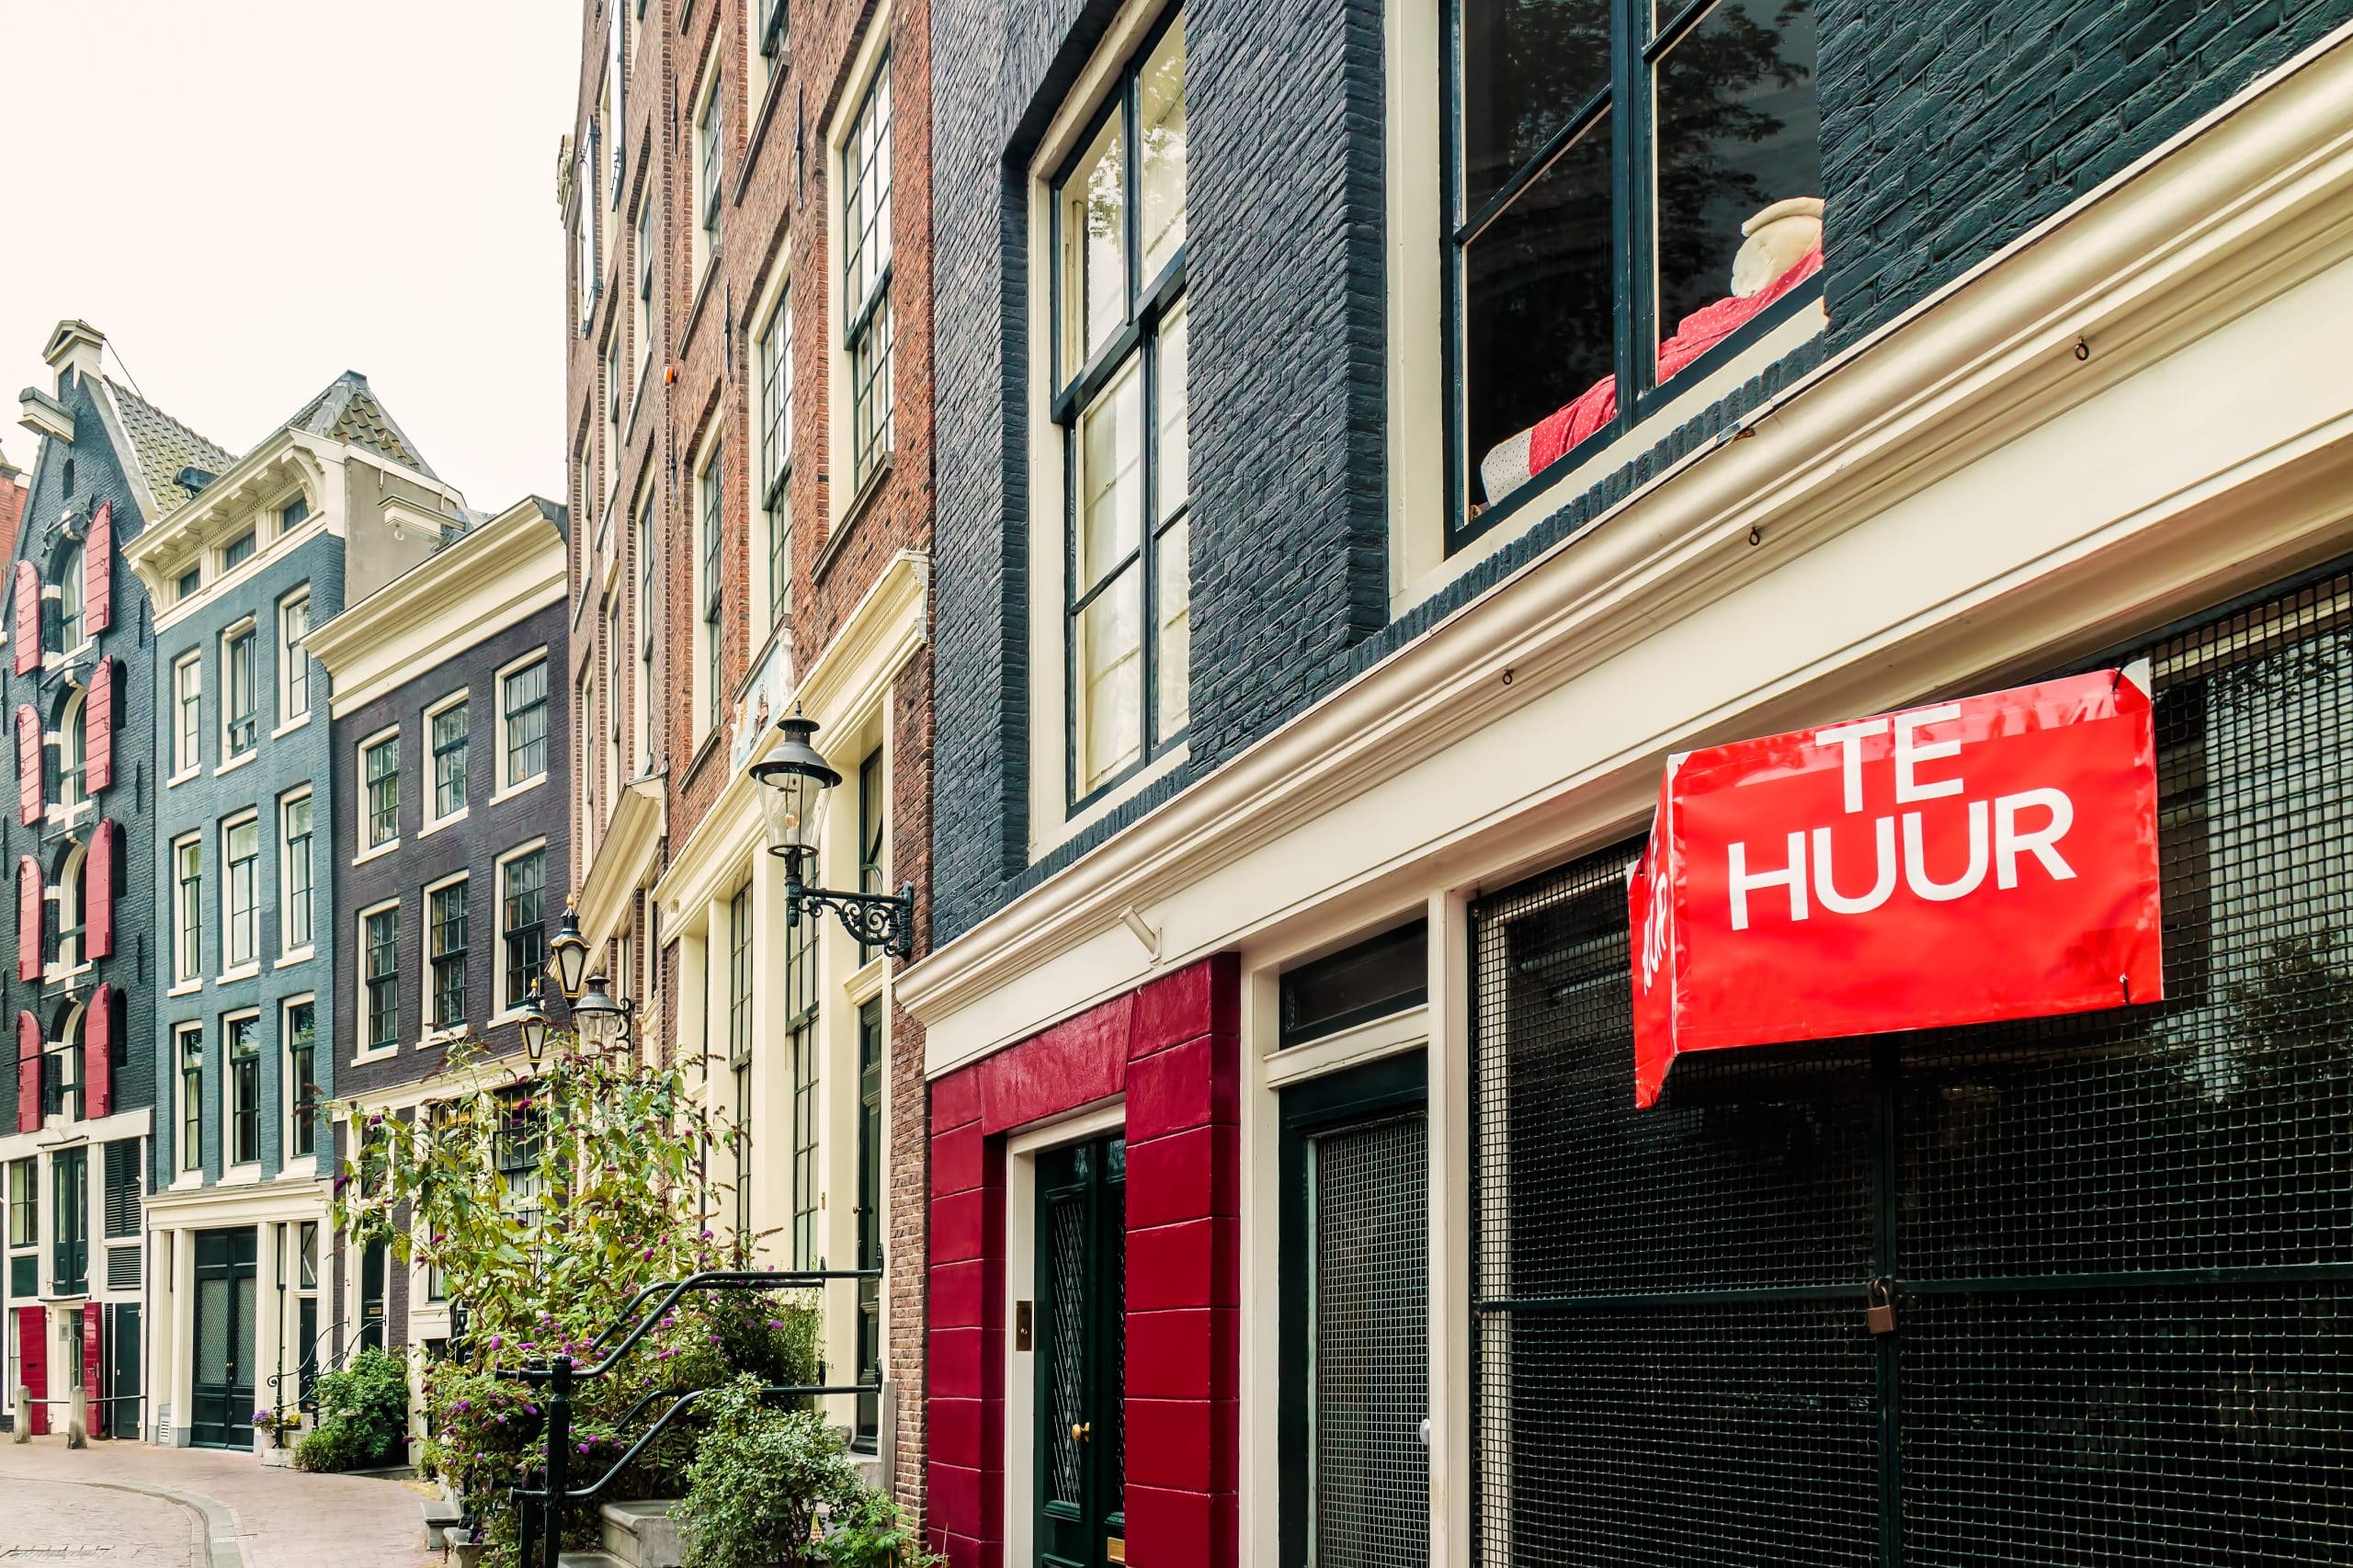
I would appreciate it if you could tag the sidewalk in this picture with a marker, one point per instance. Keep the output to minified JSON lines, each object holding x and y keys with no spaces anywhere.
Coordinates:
{"x":131,"y":1503}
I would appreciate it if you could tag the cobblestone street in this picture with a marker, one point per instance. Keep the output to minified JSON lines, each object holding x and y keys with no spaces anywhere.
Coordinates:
{"x":130,"y":1503}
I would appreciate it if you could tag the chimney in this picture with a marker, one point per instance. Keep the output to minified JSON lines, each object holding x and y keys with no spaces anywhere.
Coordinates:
{"x":73,"y":349}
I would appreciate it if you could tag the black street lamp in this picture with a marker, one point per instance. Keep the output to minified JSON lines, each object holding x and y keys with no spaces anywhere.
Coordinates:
{"x":793,"y":806}
{"x":568,"y":955}
{"x":531,"y":1023}
{"x":602,"y":1023}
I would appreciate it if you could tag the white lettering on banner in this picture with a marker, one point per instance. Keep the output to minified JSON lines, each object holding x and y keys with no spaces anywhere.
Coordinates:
{"x":1910,"y":752}
{"x":1916,"y":860}
{"x":1851,"y":737}
{"x":1826,"y":882}
{"x":1792,"y":877}
{"x":2009,"y":840}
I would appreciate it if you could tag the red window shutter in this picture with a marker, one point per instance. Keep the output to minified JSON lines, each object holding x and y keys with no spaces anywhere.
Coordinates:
{"x":93,"y":1349}
{"x":27,"y":1073}
{"x":28,"y":619}
{"x":98,"y":894}
{"x":97,"y":728}
{"x":97,"y":1056}
{"x":29,"y":899}
{"x":29,"y":765}
{"x":97,"y":572}
{"x":32,"y":1362}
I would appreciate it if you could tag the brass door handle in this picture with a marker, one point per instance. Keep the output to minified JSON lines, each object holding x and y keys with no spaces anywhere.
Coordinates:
{"x":1081,"y":1430}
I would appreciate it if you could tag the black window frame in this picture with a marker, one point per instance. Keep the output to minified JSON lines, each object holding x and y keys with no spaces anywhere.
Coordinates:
{"x":379,"y":945}
{"x":188,"y":1042}
{"x":300,"y":1088}
{"x":241,"y":1056}
{"x":709,"y":489}
{"x":382,"y":785}
{"x":531,"y":715}
{"x":449,"y":745}
{"x":523,"y":923}
{"x":300,"y":871}
{"x":243,"y":709}
{"x":868,"y":329}
{"x":445,"y":949}
{"x":235,"y":922}
{"x":1627,"y":99}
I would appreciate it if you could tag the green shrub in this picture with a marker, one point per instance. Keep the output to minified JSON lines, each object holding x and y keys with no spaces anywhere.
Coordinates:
{"x":363,"y":1416}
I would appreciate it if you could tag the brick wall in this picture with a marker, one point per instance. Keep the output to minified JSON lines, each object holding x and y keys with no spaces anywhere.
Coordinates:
{"x":1948,"y":130}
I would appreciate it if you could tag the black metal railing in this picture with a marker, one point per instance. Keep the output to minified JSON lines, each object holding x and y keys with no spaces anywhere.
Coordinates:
{"x":539,"y":1509}
{"x":307,"y":1370}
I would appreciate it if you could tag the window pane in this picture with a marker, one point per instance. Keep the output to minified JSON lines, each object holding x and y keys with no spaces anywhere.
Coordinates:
{"x":1109,"y":651}
{"x":1738,"y":138}
{"x":1110,"y":496}
{"x":1173,"y":635}
{"x":1160,"y":125}
{"x":1537,"y":321}
{"x":1173,"y":462}
{"x":1095,"y":250}
{"x":1527,"y":66}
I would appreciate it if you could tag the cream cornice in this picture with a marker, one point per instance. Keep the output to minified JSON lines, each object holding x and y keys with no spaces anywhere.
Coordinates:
{"x":874,"y":642}
{"x":501,"y":573}
{"x":483,"y":1073}
{"x":204,"y":1207}
{"x":2241,"y":208}
{"x":624,"y":859}
{"x":220,"y":512}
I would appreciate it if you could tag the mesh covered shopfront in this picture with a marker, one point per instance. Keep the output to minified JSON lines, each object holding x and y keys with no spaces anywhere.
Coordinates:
{"x":2117,"y":1247}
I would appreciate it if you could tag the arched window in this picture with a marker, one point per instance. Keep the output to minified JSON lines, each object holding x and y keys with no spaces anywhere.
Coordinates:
{"x":70,"y":624}
{"x":70,"y":914}
{"x":61,"y":1063}
{"x":72,"y":747}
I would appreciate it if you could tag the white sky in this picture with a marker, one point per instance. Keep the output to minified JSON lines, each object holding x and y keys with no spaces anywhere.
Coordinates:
{"x":250,"y":197}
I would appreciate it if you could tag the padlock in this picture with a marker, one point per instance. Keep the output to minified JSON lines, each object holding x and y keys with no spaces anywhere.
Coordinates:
{"x":1878,"y":1307}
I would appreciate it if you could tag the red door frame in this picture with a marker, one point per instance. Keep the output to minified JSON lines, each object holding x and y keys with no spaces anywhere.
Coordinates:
{"x":1173,"y":1048}
{"x":32,"y":1363}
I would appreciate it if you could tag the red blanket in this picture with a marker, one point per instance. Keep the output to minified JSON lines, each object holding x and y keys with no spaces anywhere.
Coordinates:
{"x":1562,"y":431}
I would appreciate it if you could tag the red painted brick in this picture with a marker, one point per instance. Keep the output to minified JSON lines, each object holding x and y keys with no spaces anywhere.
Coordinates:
{"x":956,"y":1099}
{"x":964,"y":1551}
{"x":959,"y":1294}
{"x":1179,"y":1529}
{"x":1173,"y":1009}
{"x":968,"y":1225}
{"x":966,"y":1363}
{"x":959,"y":1160}
{"x":1189,"y":1085}
{"x":1185,"y":1354}
{"x":1076,"y":1062}
{"x":967,"y":1432}
{"x":1187,"y":1444}
{"x":1195,"y":1264}
{"x":1183,"y":1176}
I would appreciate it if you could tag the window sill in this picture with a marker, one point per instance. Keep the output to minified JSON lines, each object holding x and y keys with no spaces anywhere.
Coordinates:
{"x":187,"y":1181}
{"x":241,"y":1176}
{"x":1075,"y":820}
{"x":293,"y":956}
{"x":242,"y":972}
{"x":376,"y":851}
{"x":437,"y":824}
{"x":703,"y":292}
{"x":383,"y":1053}
{"x":852,"y":515}
{"x":514,"y":789}
{"x":442,"y":1039}
{"x":66,"y":816}
{"x":56,"y":975}
{"x":777,"y":75}
{"x":705,"y":749}
{"x":186,"y":988}
{"x":182,"y":777}
{"x":234,"y":763}
{"x":290,"y":725}
{"x":302,"y":1168}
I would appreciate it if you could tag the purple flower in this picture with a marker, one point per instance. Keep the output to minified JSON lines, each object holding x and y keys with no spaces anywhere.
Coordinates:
{"x":776,"y":1322}
{"x":496,"y":1343}
{"x":584,"y":1449}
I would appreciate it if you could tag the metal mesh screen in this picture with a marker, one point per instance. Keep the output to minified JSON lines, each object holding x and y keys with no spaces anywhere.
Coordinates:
{"x":2120,"y":1243}
{"x":1370,"y":1346}
{"x":1067,"y":1378}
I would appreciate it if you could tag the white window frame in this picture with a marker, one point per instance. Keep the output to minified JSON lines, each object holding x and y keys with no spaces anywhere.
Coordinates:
{"x":769,"y":468}
{"x":431,"y":782}
{"x":293,"y":945}
{"x":183,"y":1165}
{"x":187,"y":715}
{"x":188,"y":912}
{"x":614,"y":404}
{"x":872,"y":56}
{"x":289,"y":1088}
{"x":278,"y":511}
{"x":642,"y":293}
{"x":293,"y":660}
{"x":249,"y":629}
{"x":229,"y":1162}
{"x":364,"y":1010}
{"x":585,"y":283}
{"x":705,"y":152}
{"x":433,"y":1029}
{"x":643,"y":526}
{"x":233,"y":967}
{"x":709,"y":492}
{"x":367,"y":848}
{"x":616,"y":742}
{"x":502,"y":1011}
{"x":506,"y":673}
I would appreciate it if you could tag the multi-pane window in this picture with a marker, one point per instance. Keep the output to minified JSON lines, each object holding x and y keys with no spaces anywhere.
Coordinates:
{"x":1120,"y":394}
{"x":187,"y":708}
{"x":707,"y":172}
{"x":445,"y":914}
{"x":1621,"y":204}
{"x":523,"y":920}
{"x":774,"y":354}
{"x":866,"y":276}
{"x":771,"y":16}
{"x":296,"y":870}
{"x":645,"y":613}
{"x":241,"y":919}
{"x":612,"y":434}
{"x":584,"y":238}
{"x":523,"y":696}
{"x":237,"y":551}
{"x":73,"y":753}
{"x":293,"y":660}
{"x":800,"y":1022}
{"x":739,"y":975}
{"x":240,"y":1041}
{"x":70,"y":623}
{"x":380,"y":770}
{"x":187,"y":908}
{"x":448,"y":737}
{"x":614,"y":652}
{"x":23,"y":1204}
{"x":714,"y":695}
{"x":870,"y":1218}
{"x":644,"y":318}
{"x":294,"y":513}
{"x":237,"y":692}
{"x":191,"y":1039}
{"x":301,"y":1090}
{"x":189,"y":583}
{"x":380,"y":942}
{"x":872,"y":806}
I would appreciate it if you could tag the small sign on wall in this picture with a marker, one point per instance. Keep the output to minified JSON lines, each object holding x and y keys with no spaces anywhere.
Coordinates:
{"x":1965,"y":862}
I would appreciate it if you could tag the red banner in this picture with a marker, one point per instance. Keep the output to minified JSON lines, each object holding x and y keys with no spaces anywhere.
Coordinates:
{"x":1992,"y":857}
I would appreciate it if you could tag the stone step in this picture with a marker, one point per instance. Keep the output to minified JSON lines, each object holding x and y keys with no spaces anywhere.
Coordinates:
{"x":439,"y":1514}
{"x":590,"y":1559}
{"x":642,"y":1534}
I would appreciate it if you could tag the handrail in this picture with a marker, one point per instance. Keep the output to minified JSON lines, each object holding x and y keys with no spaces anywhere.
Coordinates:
{"x":710,"y":1279}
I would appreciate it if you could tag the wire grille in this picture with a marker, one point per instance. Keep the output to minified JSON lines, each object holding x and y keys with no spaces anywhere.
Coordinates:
{"x":2121,"y":1244}
{"x":1372,"y":1344}
{"x":1067,"y":1377}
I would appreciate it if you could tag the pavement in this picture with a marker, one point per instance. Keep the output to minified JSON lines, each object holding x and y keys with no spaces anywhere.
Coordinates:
{"x":131,"y":1503}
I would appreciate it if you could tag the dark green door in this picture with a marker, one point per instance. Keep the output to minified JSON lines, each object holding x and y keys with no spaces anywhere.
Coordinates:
{"x":222,"y":1409}
{"x":1081,"y":1352}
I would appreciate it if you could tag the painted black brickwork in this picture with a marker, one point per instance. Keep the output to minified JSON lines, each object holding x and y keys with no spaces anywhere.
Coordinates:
{"x":1949,"y":130}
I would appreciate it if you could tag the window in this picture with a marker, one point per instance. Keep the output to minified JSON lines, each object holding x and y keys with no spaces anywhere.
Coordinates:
{"x":240,"y":923}
{"x":714,"y":696}
{"x":188,"y":909}
{"x":448,"y":727}
{"x":873,"y":803}
{"x":70,"y":623}
{"x":24,"y":1206}
{"x":187,"y":703}
{"x":380,"y":770}
{"x":293,"y":660}
{"x":515,"y":1152}
{"x":644,"y":321}
{"x":1377,"y":977}
{"x":60,"y":1069}
{"x":445,"y":917}
{"x":239,"y":734}
{"x":69,"y":1204}
{"x":707,"y":174}
{"x":615,"y":651}
{"x":800,"y":1022}
{"x":241,"y":1042}
{"x":301,"y":1087}
{"x":739,"y":975}
{"x":295,"y":872}
{"x":584,"y":769}
{"x":772,"y":58}
{"x":189,"y":581}
{"x":645,"y":613}
{"x":872,"y":1221}
{"x":612,"y":435}
{"x":380,"y":945}
{"x":191,"y":1039}
{"x":523,"y":697}
{"x":1600,"y":186}
{"x":523,"y":924}
{"x":616,"y":83}
{"x":72,"y":751}
{"x":1120,"y":394}
{"x":866,"y":276}
{"x":294,"y":513}
{"x":237,"y":551}
{"x":584,"y":238}
{"x":773,"y":354}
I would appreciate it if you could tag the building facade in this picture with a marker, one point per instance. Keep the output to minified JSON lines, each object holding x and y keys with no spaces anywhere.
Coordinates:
{"x":79,"y":686}
{"x":1578,"y":388}
{"x":748,"y":197}
{"x":334,"y":505}
{"x":450,"y":757}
